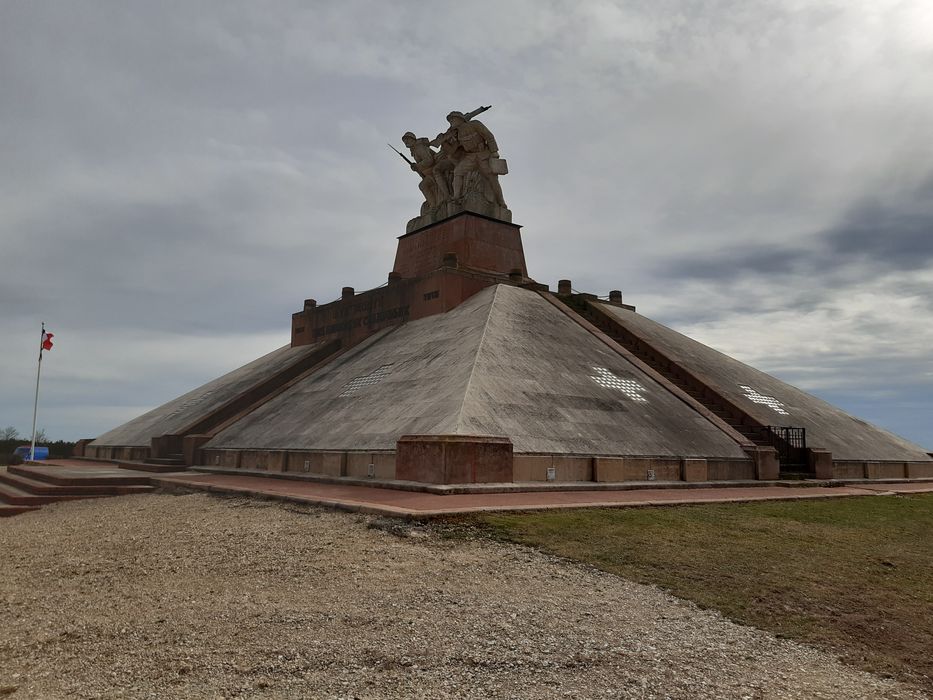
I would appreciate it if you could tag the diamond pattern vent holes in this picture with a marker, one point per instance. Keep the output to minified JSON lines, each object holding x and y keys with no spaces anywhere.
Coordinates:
{"x":629,"y":387}
{"x":354,"y":386}
{"x":768,"y":401}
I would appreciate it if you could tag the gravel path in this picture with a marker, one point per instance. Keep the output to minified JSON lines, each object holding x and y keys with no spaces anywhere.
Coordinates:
{"x":199,"y":597}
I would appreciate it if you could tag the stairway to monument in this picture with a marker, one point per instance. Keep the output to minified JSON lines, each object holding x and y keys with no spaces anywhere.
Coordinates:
{"x":172,"y":463}
{"x":706,"y":395}
{"x":25,"y":488}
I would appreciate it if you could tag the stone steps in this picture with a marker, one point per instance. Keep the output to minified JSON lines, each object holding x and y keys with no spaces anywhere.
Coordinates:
{"x":15,"y":496}
{"x":154,"y":465}
{"x":38,"y":487}
{"x":45,"y":474}
{"x":704,"y":394}
{"x":175,"y":459}
{"x":26,"y":487}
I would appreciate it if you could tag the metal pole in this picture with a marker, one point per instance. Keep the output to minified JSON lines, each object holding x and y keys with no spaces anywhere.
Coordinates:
{"x":35,"y":406}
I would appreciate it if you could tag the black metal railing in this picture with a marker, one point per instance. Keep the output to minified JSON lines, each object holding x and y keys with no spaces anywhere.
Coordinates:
{"x":790,"y":443}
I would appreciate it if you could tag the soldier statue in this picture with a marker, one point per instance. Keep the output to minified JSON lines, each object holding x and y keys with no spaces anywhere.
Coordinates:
{"x":462,"y":174}
{"x":478,"y":147}
{"x":433,"y":180}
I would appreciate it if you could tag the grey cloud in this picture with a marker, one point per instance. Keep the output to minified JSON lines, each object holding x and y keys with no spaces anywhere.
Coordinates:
{"x":887,"y":235}
{"x":758,"y":261}
{"x":891,"y":235}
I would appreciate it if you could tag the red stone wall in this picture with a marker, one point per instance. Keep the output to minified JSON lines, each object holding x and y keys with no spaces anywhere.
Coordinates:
{"x":453,"y":459}
{"x":480,"y":243}
{"x":353,"y":319}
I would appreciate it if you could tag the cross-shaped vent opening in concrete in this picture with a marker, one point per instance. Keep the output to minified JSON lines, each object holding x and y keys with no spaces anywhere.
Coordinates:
{"x":629,"y":387}
{"x":354,"y":386}
{"x":768,"y":401}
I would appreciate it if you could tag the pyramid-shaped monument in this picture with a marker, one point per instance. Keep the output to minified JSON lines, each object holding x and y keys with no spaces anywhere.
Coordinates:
{"x":464,"y":370}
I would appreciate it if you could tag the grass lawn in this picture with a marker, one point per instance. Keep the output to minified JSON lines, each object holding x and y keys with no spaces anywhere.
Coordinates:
{"x":855,"y":574}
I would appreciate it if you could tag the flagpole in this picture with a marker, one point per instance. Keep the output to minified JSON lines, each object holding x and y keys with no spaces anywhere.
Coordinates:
{"x":35,"y":406}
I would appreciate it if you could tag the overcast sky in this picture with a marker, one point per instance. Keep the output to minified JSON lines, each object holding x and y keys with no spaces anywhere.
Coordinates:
{"x":178,"y":176}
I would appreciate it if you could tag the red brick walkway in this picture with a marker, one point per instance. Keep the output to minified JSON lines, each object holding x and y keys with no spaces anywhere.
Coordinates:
{"x":414,"y":504}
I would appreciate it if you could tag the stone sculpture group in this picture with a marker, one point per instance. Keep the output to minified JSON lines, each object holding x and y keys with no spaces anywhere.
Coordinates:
{"x":462,"y":174}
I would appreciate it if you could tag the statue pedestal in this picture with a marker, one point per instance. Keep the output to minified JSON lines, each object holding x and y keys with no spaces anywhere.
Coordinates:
{"x":472,"y":202}
{"x":479,"y":242}
{"x":426,"y":280}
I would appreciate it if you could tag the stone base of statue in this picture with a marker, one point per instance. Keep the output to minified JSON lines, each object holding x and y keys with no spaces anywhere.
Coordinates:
{"x":473,"y":202}
{"x":477,"y":242}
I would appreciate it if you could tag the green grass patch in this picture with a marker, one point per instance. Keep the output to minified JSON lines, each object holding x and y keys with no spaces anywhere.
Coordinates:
{"x":854,"y":574}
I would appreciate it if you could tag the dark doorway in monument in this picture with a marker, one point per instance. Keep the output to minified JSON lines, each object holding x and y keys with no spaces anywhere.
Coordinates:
{"x":791,"y":446}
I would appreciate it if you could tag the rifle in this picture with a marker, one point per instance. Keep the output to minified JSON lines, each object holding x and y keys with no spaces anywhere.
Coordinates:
{"x":476,"y":112}
{"x":400,"y":153}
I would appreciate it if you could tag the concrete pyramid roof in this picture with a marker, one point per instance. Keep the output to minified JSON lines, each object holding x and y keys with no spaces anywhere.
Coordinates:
{"x":505,"y":362}
{"x":770,"y":400}
{"x":187,"y":408}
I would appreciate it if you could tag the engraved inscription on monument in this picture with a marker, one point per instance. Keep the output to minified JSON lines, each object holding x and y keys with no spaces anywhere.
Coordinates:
{"x":462,"y":174}
{"x":345,"y":319}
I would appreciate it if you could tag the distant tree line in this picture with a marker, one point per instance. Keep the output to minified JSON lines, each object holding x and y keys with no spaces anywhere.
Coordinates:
{"x":11,"y":438}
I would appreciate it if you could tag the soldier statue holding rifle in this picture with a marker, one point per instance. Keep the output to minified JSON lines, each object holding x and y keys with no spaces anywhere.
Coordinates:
{"x":462,"y":175}
{"x":433,"y":181}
